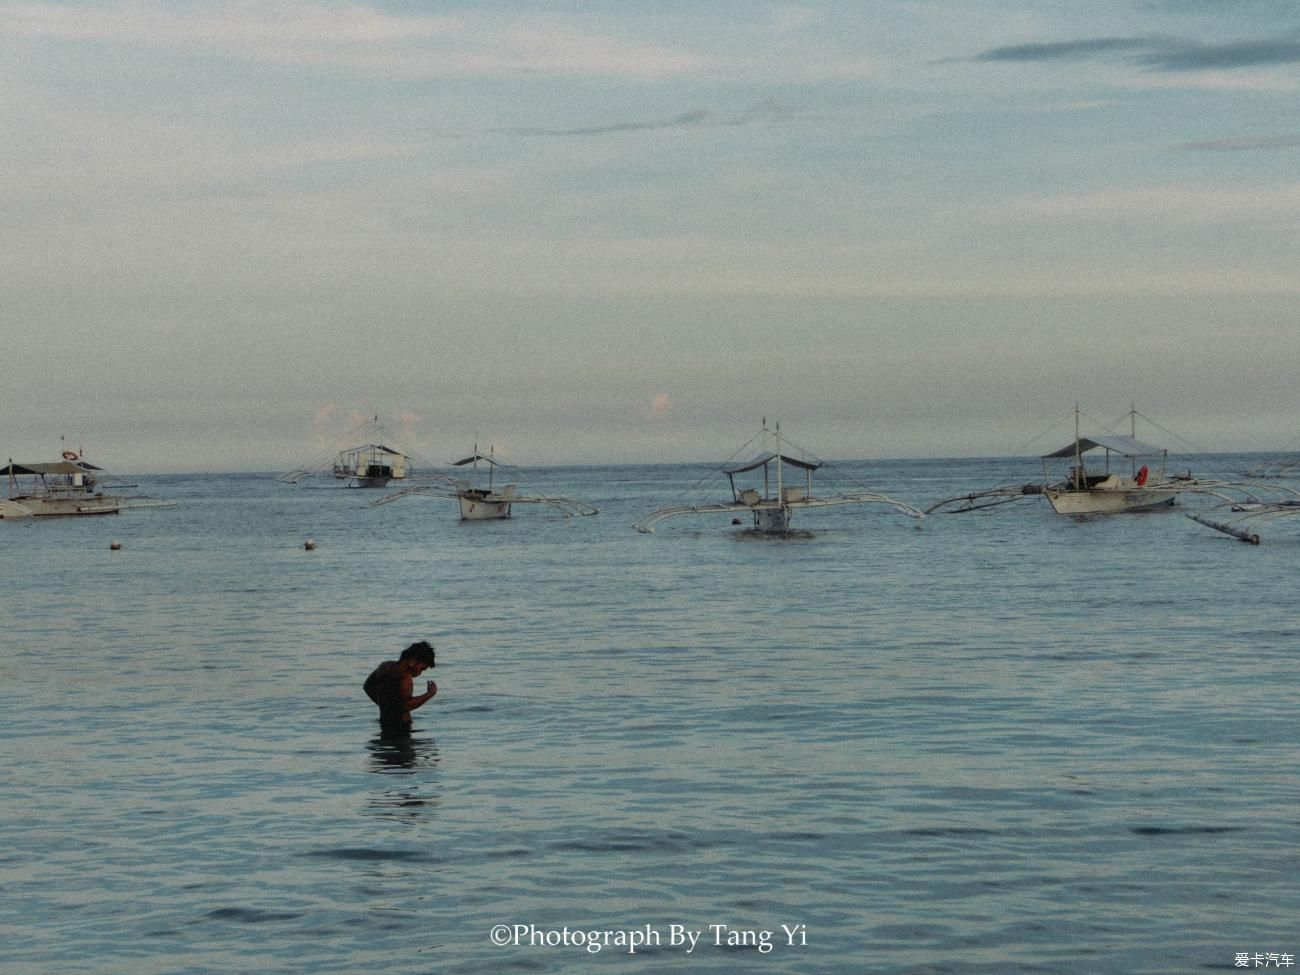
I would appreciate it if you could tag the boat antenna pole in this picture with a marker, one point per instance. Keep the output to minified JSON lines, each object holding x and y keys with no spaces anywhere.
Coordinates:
{"x":1079,"y":479}
{"x":1132,"y":432}
{"x":779,"y":464}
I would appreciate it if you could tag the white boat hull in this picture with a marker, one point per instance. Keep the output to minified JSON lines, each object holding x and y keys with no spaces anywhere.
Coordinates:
{"x":1108,"y":501}
{"x":38,"y":507}
{"x":479,"y":507}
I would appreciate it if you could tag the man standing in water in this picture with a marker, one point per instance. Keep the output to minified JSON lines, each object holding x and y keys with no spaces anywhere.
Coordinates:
{"x":391,"y":686}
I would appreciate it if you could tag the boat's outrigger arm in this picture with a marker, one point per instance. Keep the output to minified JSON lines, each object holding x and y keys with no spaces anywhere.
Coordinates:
{"x":455,"y":487}
{"x":648,"y":523}
{"x":979,"y":500}
{"x":424,"y":488}
{"x":569,"y":506}
{"x":1250,"y":503}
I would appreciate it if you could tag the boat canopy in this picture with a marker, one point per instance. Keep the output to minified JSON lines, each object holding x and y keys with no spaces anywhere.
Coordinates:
{"x":764,"y":459}
{"x":475,"y":458}
{"x":373,"y":447}
{"x":1124,"y":446}
{"x":57,"y":467}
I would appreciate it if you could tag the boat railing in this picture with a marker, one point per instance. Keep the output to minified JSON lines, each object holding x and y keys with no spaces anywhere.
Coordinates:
{"x":71,"y":488}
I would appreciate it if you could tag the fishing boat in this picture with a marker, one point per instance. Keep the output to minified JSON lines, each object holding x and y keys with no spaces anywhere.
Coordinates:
{"x":1107,"y":473}
{"x":484,"y":502}
{"x":768,"y":489}
{"x":369,"y":465}
{"x":58,"y":488}
{"x":1285,"y":463}
{"x":1108,"y":487}
{"x":64,"y":488}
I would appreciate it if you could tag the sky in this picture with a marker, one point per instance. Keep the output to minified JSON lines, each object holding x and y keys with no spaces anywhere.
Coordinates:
{"x":629,"y":232}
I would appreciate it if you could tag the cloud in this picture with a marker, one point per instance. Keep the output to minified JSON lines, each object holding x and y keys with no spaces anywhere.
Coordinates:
{"x":1159,"y":53}
{"x":695,"y":119}
{"x":1065,"y":50}
{"x":1169,"y":206}
{"x":351,"y":38}
{"x":408,"y":432}
{"x":322,"y":425}
{"x":252,"y":27}
{"x":1240,"y":145}
{"x":688,"y":120}
{"x":1223,"y":57}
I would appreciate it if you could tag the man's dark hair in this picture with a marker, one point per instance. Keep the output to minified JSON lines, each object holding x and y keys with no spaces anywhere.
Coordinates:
{"x":421,"y":650}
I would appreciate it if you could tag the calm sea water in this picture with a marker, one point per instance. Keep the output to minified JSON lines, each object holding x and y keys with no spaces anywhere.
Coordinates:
{"x":998,"y":742}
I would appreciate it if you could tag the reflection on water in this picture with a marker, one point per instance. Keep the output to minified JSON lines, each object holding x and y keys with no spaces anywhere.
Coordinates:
{"x":789,"y":535}
{"x":405,"y":757}
{"x":402,"y":756}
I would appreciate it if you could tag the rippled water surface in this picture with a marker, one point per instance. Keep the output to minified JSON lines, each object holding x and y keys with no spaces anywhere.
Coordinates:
{"x":995,"y":742}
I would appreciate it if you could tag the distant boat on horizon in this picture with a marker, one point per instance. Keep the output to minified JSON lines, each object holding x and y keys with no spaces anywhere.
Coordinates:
{"x":484,"y":503}
{"x":368,"y":465}
{"x":771,"y":504}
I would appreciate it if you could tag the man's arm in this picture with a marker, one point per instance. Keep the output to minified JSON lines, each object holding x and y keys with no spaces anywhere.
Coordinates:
{"x":414,"y":701}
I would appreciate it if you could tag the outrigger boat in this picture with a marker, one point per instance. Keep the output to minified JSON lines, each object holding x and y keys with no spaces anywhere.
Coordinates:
{"x":1286,"y":464}
{"x":771,"y":509}
{"x":1131,"y":476}
{"x":64,"y":488}
{"x":370,"y":465}
{"x":479,"y":503}
{"x":1101,"y":490}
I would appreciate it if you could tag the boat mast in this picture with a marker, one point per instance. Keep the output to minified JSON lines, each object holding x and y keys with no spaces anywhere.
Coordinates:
{"x":1079,"y":479}
{"x":779,"y":464}
{"x":1133,"y":432}
{"x":767,"y":487}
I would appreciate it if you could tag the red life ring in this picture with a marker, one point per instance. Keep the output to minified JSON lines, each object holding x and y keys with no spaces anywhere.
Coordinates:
{"x":70,"y":455}
{"x":1142,"y":475}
